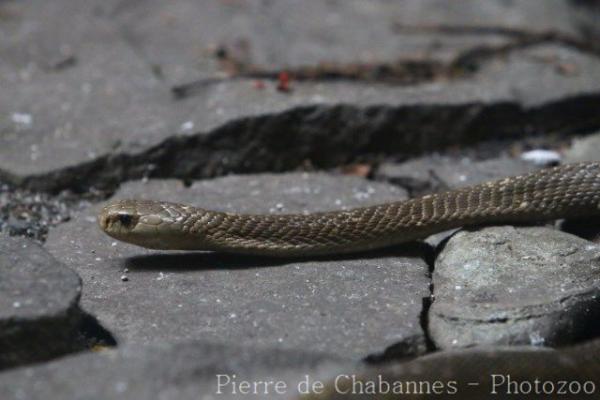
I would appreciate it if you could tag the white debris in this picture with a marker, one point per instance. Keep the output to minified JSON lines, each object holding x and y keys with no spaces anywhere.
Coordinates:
{"x":541,"y":157}
{"x":22,"y":119}
{"x":187,"y":126}
{"x":536,"y":339}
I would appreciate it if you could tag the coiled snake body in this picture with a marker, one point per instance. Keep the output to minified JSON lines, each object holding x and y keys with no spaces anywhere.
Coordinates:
{"x":567,"y":191}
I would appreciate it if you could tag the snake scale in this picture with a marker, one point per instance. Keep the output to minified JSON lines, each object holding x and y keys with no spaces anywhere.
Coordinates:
{"x":567,"y":191}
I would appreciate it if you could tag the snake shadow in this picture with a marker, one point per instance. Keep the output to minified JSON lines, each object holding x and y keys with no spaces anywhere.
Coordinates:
{"x":197,"y":261}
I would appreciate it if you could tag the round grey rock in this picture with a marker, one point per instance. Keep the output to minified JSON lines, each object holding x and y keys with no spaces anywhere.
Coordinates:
{"x":506,"y":285}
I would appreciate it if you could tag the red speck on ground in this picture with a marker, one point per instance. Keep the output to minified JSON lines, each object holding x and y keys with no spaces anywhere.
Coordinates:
{"x":283,"y":82}
{"x":258,"y":84}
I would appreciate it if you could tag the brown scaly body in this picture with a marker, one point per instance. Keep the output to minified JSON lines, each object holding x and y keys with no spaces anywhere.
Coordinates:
{"x":561,"y":192}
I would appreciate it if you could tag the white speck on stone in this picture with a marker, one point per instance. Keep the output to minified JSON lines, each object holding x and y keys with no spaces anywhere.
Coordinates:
{"x":457,"y":287}
{"x":279,"y":206}
{"x":232,"y":315}
{"x":454,"y":341}
{"x":113,"y":244}
{"x":338,"y":202}
{"x":160,"y":277}
{"x":280,"y":340}
{"x":187,"y":126}
{"x":16,"y":304}
{"x":218,"y":300}
{"x":98,"y":259}
{"x":179,"y":305}
{"x":120,"y":387}
{"x":125,"y":270}
{"x":536,"y":339}
{"x":124,"y":278}
{"x":462,"y":178}
{"x":541,"y":157}
{"x":90,"y":219}
{"x":23,"y":120}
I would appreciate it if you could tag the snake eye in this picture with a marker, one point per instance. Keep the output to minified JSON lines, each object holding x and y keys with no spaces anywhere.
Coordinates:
{"x":126,"y":220}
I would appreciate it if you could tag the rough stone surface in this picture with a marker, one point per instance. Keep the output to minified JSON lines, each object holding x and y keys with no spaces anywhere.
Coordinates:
{"x":437,"y":172}
{"x":39,"y":314}
{"x":353,"y":307}
{"x":506,"y":285}
{"x":480,"y":373}
{"x":178,"y":372}
{"x":584,"y":149}
{"x":88,"y":103}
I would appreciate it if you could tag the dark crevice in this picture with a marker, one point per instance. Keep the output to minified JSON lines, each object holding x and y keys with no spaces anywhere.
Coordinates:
{"x":424,"y":320}
{"x":417,"y":345}
{"x":42,"y":339}
{"x":404,"y":350}
{"x":93,"y":335}
{"x":427,"y":302}
{"x":402,"y":71}
{"x":322,"y":137}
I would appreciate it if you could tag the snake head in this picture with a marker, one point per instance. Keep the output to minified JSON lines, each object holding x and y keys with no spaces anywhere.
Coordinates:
{"x":151,"y":224}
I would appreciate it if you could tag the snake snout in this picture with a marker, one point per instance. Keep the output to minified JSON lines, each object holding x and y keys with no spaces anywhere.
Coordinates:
{"x":103,"y":221}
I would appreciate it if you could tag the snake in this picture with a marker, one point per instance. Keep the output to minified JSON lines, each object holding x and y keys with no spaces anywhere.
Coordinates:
{"x":566,"y":191}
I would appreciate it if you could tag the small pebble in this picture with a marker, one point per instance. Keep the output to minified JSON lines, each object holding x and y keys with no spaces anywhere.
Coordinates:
{"x":541,"y":157}
{"x":124,"y":278}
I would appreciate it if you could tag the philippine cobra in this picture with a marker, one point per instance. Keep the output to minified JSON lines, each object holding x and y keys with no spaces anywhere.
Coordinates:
{"x":567,"y":191}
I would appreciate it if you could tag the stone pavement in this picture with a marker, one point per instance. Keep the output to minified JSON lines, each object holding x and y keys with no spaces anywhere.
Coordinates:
{"x":280,"y":107}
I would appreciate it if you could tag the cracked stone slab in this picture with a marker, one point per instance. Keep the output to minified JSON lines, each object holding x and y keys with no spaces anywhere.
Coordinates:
{"x":174,"y":371}
{"x":176,"y":36}
{"x":507,"y":286}
{"x":353,"y":307}
{"x":39,"y":313}
{"x":108,"y":116}
{"x":438,"y":172}
{"x":477,"y":373}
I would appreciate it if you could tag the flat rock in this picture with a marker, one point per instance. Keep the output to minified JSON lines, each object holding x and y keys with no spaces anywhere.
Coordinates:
{"x":586,"y":148}
{"x":39,"y":313}
{"x":437,"y":172}
{"x":353,"y":307}
{"x":482,"y":372}
{"x":88,"y":103}
{"x":505,"y":285}
{"x":176,"y":371}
